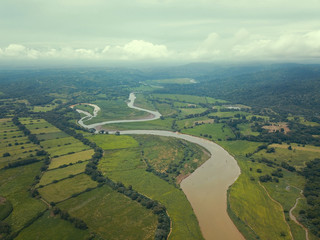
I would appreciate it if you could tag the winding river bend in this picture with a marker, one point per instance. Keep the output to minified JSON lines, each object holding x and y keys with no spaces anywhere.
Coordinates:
{"x":206,"y":188}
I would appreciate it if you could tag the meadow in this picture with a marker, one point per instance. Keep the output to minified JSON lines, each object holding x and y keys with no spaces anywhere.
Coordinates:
{"x":112,"y":215}
{"x":64,"y":189}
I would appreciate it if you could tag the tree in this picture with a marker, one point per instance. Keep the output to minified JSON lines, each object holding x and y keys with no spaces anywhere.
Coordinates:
{"x":6,"y":154}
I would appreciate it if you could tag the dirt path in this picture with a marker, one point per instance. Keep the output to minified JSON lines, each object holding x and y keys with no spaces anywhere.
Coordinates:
{"x":293,"y":218}
{"x":284,"y":217}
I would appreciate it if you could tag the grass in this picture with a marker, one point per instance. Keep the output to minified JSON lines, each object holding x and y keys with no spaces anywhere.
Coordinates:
{"x":143,"y":102}
{"x":125,"y":166}
{"x":190,"y":122}
{"x":43,"y":130}
{"x":53,"y":228}
{"x":108,"y":142}
{"x":59,"y":142}
{"x":13,"y":141}
{"x":230,"y":114}
{"x":115,"y":110}
{"x":188,"y":111}
{"x":245,"y":129}
{"x":71,"y":158}
{"x":112,"y":215}
{"x":14,"y":185}
{"x":5,"y":208}
{"x":66,"y":188}
{"x":150,"y":125}
{"x":166,"y":109}
{"x":266,"y":217}
{"x":296,"y":157}
{"x":60,"y":173}
{"x":85,"y":107}
{"x":53,"y":135}
{"x":63,"y":150}
{"x":174,"y":156}
{"x":216,"y":130}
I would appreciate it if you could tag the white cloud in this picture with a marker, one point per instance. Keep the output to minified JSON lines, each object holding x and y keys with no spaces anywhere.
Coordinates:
{"x":242,"y":45}
{"x":140,"y":49}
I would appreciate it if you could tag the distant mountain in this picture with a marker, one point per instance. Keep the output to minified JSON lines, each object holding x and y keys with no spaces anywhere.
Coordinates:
{"x":286,"y":88}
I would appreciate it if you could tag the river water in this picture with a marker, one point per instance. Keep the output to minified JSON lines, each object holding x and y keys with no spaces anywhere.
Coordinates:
{"x":206,"y":188}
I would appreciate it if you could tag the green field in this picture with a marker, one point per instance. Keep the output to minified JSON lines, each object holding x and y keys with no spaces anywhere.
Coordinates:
{"x":143,"y":102}
{"x":14,"y":185}
{"x":125,"y":165}
{"x":71,"y":158}
{"x":85,"y":107}
{"x":172,"y":156}
{"x":13,"y":141}
{"x":64,"y":189}
{"x":60,"y":173}
{"x":115,"y":110}
{"x":156,"y":124}
{"x":188,"y":111}
{"x":297,"y":157}
{"x":108,"y":142}
{"x":112,"y":215}
{"x":53,"y":228}
{"x":218,"y":131}
{"x":67,"y":149}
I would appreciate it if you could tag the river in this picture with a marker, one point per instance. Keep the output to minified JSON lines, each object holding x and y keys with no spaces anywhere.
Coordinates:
{"x":206,"y":188}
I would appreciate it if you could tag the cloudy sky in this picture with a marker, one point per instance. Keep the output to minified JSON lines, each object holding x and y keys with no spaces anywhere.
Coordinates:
{"x":159,"y":30}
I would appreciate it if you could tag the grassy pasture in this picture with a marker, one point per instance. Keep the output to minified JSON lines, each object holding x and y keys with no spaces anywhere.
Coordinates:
{"x":14,"y":185}
{"x":245,"y":129}
{"x":266,"y":217}
{"x":63,"y":150}
{"x":13,"y":141}
{"x":165,"y":109}
{"x":31,"y":121}
{"x":191,"y":122}
{"x":112,"y":215}
{"x":216,"y":130}
{"x":36,"y":125}
{"x":53,"y":135}
{"x":188,"y":111}
{"x":85,"y":107}
{"x":143,"y":102}
{"x":115,"y":110}
{"x":66,"y":188}
{"x":59,"y":142}
{"x":108,"y":142}
{"x":53,"y":227}
{"x":43,"y":130}
{"x":46,"y":108}
{"x":155,"y":124}
{"x":71,"y":158}
{"x":296,"y":157}
{"x":161,"y":152}
{"x":230,"y":114}
{"x":61,"y":173}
